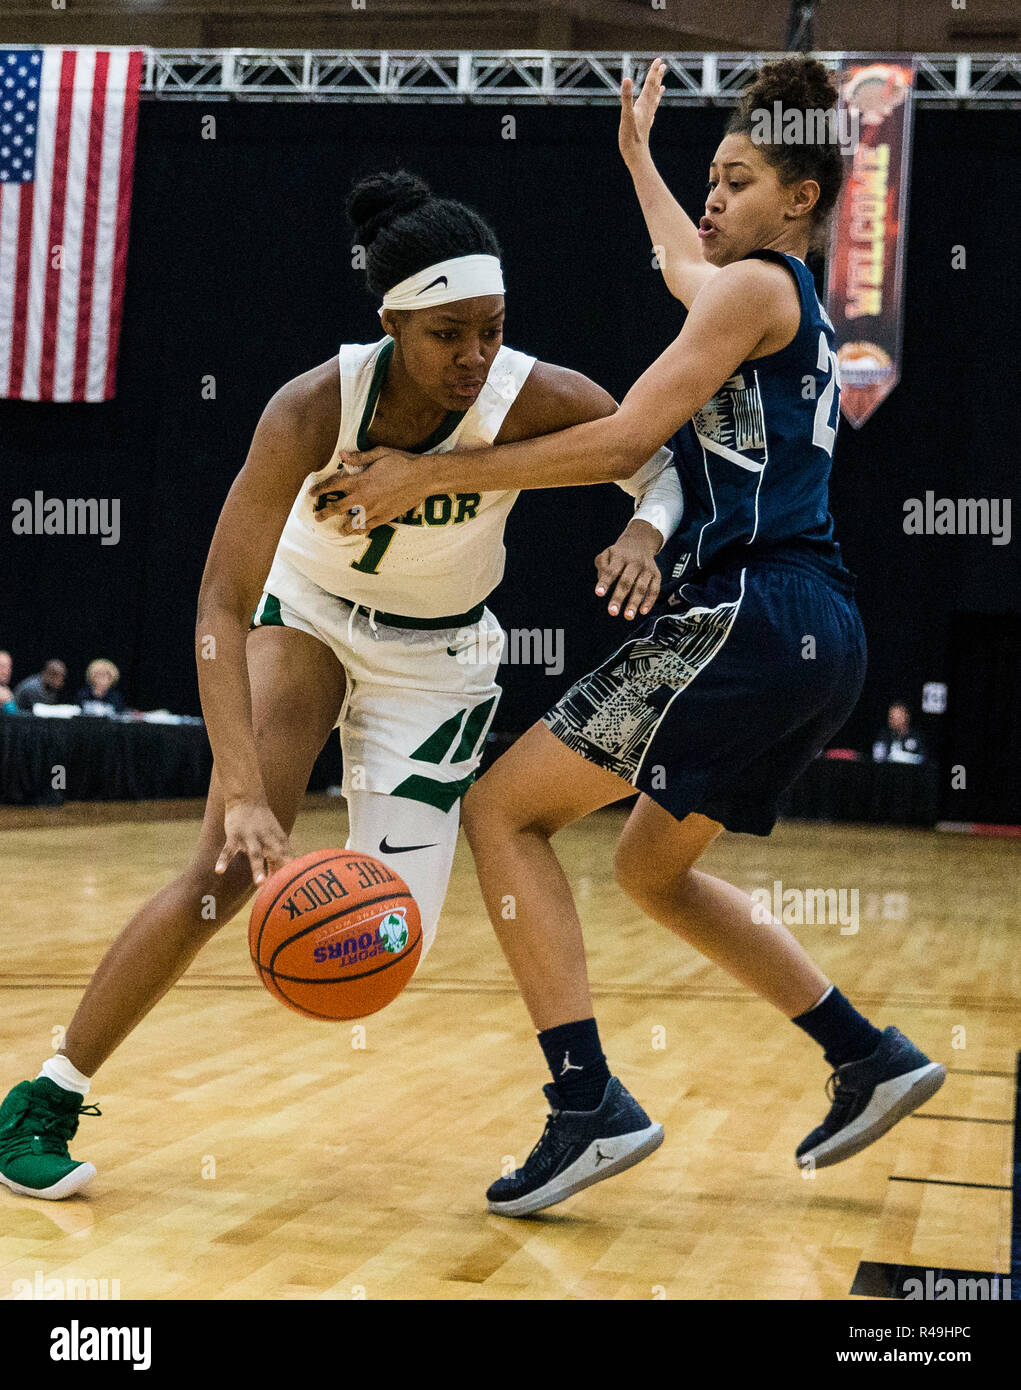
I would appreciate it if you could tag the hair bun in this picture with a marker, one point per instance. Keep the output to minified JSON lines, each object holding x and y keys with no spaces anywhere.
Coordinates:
{"x":376,"y":201}
{"x":801,"y":83}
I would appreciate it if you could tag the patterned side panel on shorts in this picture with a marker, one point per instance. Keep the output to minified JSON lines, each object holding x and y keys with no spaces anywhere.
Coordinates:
{"x":610,"y":716}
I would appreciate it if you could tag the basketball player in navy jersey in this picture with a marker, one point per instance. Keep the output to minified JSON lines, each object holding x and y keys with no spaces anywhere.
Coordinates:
{"x":753,"y":656}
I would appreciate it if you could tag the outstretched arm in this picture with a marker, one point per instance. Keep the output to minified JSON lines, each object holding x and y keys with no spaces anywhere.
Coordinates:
{"x":673,"y":233}
{"x":725,"y":326}
{"x":289,"y":443}
{"x":555,"y":398}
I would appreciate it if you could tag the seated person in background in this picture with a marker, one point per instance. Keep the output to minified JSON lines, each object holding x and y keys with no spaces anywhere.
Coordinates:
{"x":97,"y":695}
{"x":47,"y":688}
{"x":7,"y":705}
{"x":898,"y":743}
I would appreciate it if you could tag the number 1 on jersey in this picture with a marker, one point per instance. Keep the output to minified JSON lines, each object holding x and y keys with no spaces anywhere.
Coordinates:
{"x":379,"y":540}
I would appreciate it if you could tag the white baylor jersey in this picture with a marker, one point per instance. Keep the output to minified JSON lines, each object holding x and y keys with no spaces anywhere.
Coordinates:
{"x":442,"y":557}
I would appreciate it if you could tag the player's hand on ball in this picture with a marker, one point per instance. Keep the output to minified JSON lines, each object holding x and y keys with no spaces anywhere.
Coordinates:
{"x":636,"y":117}
{"x":251,"y":828}
{"x":364,"y":497}
{"x":628,"y":568}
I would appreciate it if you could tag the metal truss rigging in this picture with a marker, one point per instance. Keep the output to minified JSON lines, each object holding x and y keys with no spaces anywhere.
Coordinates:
{"x":532,"y":77}
{"x":973,"y":80}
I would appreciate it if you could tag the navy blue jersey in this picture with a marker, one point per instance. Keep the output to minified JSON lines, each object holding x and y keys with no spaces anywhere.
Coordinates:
{"x":754,"y":462}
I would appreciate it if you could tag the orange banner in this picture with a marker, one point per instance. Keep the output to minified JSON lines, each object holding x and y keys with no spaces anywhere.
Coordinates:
{"x":865,"y":275}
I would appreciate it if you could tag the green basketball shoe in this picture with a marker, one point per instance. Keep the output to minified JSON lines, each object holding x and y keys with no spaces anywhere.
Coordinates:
{"x":37,"y":1119}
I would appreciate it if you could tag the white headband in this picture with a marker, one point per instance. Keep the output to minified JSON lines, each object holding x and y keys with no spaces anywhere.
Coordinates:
{"x":463,"y":277}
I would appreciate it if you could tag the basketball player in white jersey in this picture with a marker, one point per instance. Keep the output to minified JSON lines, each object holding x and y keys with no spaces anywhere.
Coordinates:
{"x":384,"y":634}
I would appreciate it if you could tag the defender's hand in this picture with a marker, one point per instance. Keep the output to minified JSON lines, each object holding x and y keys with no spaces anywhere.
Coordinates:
{"x":390,"y":487}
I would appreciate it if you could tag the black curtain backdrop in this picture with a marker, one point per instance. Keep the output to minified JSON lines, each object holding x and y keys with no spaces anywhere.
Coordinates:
{"x":983,"y":738}
{"x":239,"y":271}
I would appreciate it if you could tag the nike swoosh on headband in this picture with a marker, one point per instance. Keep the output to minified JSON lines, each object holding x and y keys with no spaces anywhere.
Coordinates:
{"x":440,"y":280}
{"x":385,"y":848}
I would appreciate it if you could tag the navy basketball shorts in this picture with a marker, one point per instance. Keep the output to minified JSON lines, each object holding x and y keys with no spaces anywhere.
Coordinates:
{"x":723,"y":696}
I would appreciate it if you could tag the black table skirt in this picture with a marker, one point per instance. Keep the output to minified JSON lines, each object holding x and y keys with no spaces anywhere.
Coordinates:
{"x":48,"y":761}
{"x":105,"y":760}
{"x":885,"y":793}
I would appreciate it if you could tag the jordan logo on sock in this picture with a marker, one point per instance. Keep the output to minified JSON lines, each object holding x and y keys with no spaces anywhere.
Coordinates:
{"x":569,"y":1065}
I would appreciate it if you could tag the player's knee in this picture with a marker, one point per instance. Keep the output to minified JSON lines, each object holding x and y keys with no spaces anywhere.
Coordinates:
{"x":628,"y":875}
{"x":652,"y":892}
{"x":480,"y":812}
{"x":487,"y":818}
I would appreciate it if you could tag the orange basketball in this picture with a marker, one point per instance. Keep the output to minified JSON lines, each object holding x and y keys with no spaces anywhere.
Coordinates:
{"x":335,"y":934}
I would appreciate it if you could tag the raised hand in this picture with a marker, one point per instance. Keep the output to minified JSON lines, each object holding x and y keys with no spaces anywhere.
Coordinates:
{"x":636,"y":117}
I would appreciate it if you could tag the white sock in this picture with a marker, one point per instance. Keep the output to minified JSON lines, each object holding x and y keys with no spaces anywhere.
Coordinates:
{"x":822,"y":999}
{"x":62,"y":1073}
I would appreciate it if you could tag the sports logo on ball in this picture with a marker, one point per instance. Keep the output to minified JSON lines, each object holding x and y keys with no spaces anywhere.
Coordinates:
{"x":393,"y":931}
{"x":335,"y":934}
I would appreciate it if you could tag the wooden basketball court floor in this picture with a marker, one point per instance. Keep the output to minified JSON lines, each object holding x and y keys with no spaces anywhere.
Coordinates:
{"x":247,"y":1153}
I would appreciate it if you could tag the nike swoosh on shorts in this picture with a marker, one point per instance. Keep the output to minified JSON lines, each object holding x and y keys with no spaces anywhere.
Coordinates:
{"x":385,"y":848}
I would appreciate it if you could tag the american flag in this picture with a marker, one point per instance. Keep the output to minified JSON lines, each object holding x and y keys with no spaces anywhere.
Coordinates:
{"x":68,"y":118}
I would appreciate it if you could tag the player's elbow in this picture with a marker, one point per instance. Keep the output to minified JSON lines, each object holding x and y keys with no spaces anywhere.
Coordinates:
{"x":221,"y":602}
{"x":677,"y":285}
{"x":626,"y":454}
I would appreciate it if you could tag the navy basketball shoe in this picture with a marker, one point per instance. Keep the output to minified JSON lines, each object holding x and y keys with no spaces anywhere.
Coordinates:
{"x":869,"y":1097}
{"x":577,"y":1149}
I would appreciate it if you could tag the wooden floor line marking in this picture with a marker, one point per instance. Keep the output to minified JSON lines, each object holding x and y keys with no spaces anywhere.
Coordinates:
{"x":964,"y":1071}
{"x":965,"y":1119}
{"x":950,"y":1182}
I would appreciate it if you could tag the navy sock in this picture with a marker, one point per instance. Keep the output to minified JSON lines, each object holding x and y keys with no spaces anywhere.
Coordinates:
{"x":839,"y":1029}
{"x":576,"y":1062}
